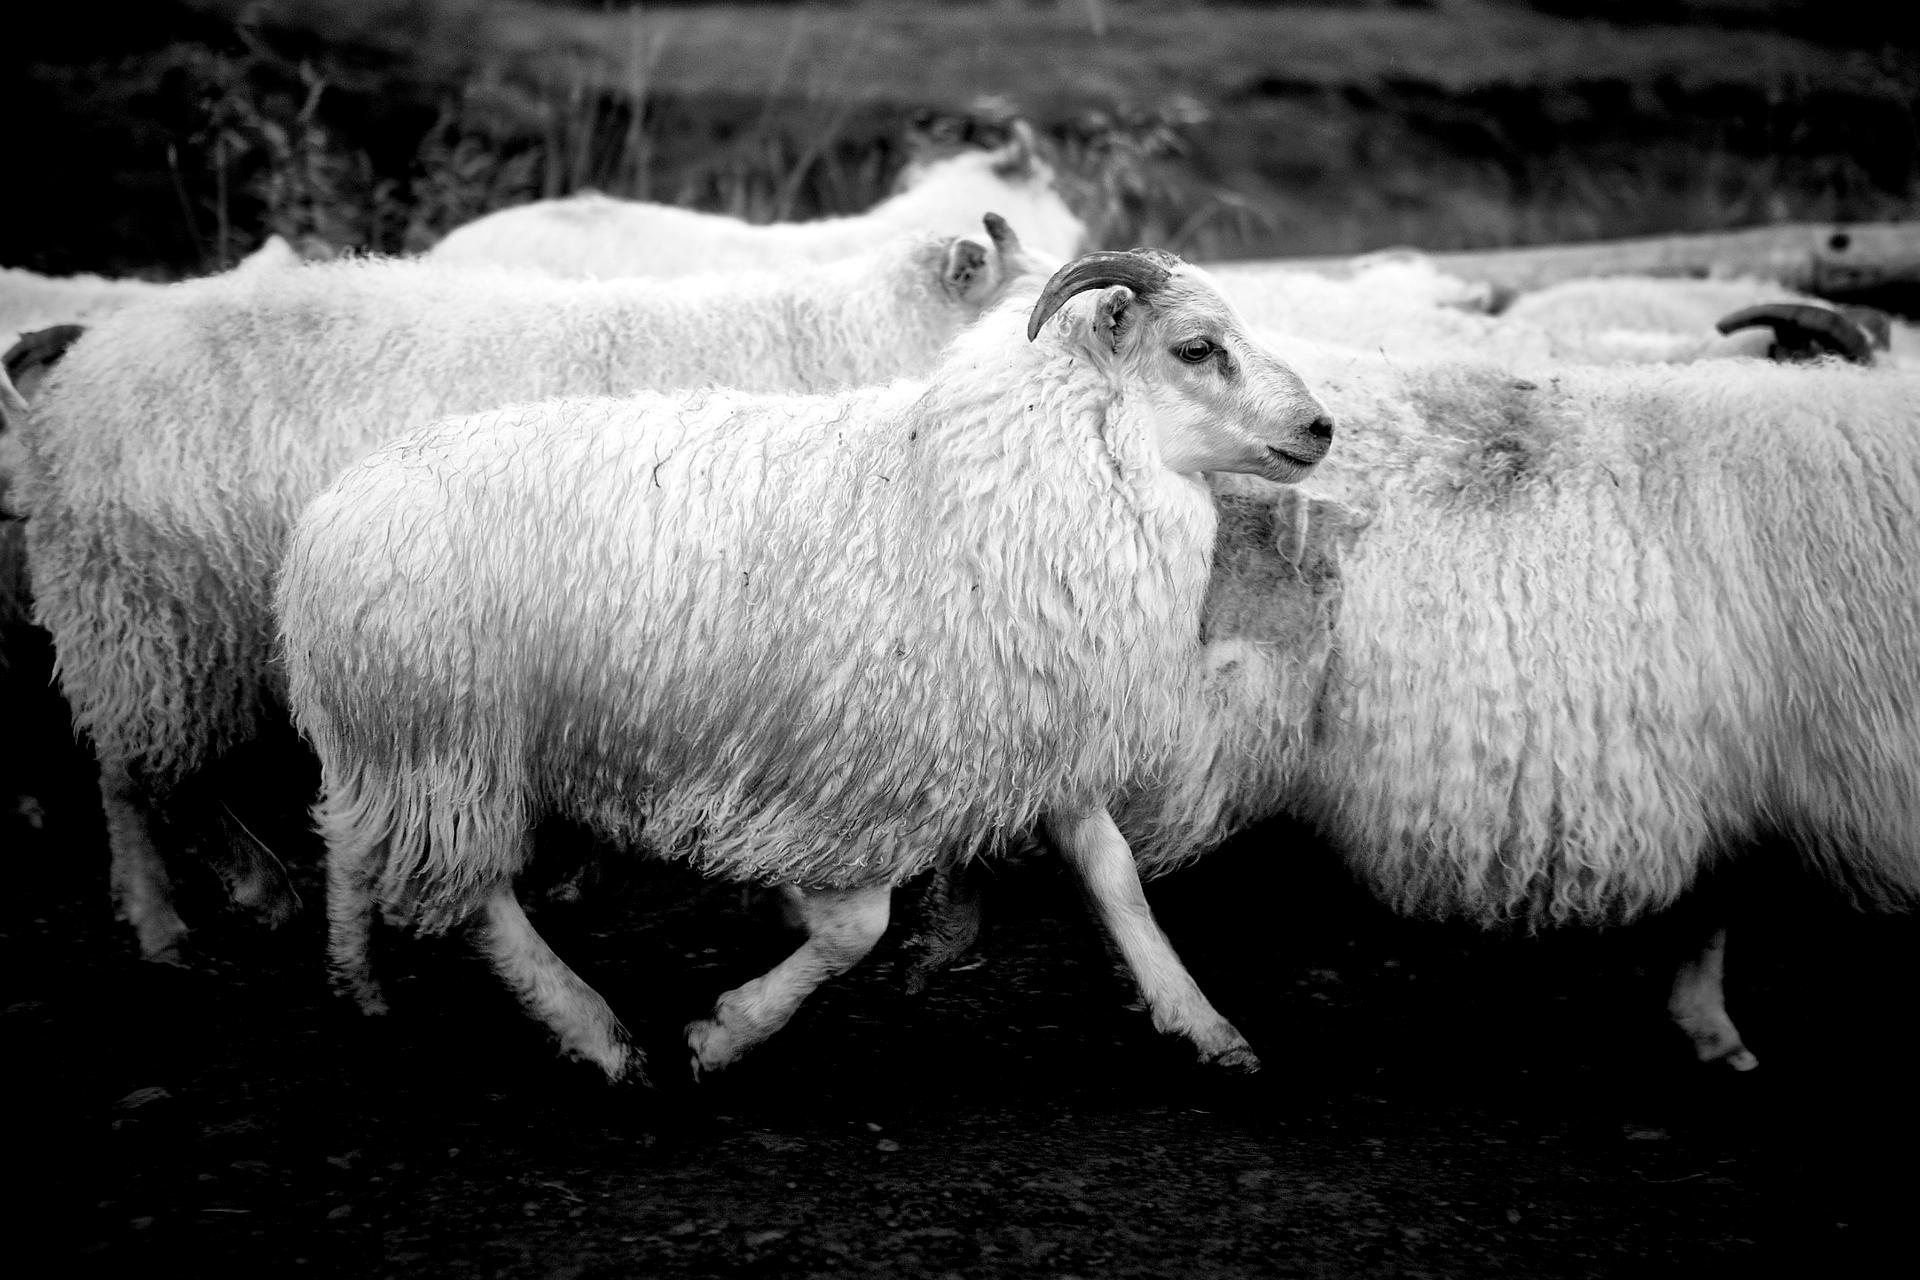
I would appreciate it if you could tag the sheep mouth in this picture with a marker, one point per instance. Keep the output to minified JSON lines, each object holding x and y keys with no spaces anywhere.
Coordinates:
{"x":1292,"y":465}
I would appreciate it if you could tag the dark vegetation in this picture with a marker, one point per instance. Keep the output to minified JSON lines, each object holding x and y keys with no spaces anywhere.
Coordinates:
{"x":172,"y":136}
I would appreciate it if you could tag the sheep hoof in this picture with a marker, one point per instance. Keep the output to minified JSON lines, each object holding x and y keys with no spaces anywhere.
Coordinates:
{"x":1735,"y":1055}
{"x":1239,"y":1059}
{"x":1715,"y":1040}
{"x":172,"y":956}
{"x":161,"y":937}
{"x":628,"y":1070}
{"x":712,"y":1045}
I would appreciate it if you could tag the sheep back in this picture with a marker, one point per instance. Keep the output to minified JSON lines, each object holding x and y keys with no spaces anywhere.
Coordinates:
{"x":595,"y":235}
{"x":1605,"y":628}
{"x":179,"y":438}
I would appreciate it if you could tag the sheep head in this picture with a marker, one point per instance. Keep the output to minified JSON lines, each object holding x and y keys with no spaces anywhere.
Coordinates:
{"x":1218,"y":400}
{"x":977,"y":275}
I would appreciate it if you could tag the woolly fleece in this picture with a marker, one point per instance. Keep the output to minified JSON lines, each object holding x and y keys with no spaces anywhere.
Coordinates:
{"x":1541,"y":652}
{"x":810,"y":640}
{"x":179,"y":438}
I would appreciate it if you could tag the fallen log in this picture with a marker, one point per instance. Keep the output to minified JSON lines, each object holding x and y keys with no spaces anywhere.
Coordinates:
{"x":1832,"y":260}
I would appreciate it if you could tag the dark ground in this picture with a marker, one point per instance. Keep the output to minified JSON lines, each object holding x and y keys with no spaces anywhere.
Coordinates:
{"x":1437,"y":1101}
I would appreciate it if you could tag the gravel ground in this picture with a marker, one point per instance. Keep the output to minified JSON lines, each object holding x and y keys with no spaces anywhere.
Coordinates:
{"x":1436,"y":1101}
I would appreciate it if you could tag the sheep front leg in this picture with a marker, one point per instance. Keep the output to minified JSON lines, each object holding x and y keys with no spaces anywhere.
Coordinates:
{"x":137,"y":874}
{"x":555,"y":994}
{"x":1698,"y":1005}
{"x":1098,"y":853}
{"x":842,"y":926}
{"x":350,"y":906}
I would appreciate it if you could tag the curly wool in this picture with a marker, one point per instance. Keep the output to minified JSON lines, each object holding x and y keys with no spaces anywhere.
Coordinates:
{"x":1584,"y":637}
{"x":816,"y":640}
{"x":594,"y":235}
{"x":177,"y":441}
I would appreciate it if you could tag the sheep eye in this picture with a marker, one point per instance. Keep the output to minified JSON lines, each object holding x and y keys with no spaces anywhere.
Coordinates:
{"x":1195,"y":352}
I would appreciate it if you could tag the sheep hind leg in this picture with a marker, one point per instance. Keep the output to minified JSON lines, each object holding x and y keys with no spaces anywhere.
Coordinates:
{"x":842,"y":926}
{"x":137,"y":876}
{"x":555,"y":994}
{"x":1098,"y":853}
{"x":350,"y":908}
{"x":1698,"y":1006}
{"x":949,"y":913}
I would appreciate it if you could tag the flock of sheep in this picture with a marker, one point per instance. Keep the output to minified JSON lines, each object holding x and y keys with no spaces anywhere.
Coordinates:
{"x":828,"y":555}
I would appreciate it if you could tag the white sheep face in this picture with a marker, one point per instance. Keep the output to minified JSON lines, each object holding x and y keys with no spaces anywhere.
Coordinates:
{"x":1217,"y":400}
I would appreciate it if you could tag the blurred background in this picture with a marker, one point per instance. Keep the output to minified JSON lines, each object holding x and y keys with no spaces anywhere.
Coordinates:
{"x":172,"y":136}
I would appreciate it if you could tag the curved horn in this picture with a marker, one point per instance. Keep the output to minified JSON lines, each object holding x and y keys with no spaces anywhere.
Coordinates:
{"x":1804,"y":329}
{"x":1135,"y":270}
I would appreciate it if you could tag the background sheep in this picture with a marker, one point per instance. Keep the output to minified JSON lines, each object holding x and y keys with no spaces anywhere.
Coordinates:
{"x":1397,"y":302}
{"x":1402,"y":305}
{"x":179,"y":438}
{"x":597,"y":235}
{"x":29,"y":300}
{"x":1543,"y":653}
{"x":1619,"y":318}
{"x":818,"y":641}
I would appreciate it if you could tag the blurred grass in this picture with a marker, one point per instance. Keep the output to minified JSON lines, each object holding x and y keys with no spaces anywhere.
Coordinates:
{"x":184,"y":138}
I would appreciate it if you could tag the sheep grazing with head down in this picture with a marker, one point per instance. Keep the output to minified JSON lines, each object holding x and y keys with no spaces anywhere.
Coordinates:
{"x":593,"y":235}
{"x":1613,"y":319}
{"x":29,"y":300}
{"x":1543,"y":652}
{"x":818,"y":641}
{"x":176,"y":442}
{"x":1402,"y":305}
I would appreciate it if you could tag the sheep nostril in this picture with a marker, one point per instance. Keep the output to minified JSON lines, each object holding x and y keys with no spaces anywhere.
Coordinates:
{"x":1321,"y":428}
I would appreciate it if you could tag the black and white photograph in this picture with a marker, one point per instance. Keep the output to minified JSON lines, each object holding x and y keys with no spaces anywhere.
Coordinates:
{"x":950,"y":639}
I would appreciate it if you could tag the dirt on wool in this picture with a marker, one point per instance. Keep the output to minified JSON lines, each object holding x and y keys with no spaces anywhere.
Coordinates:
{"x":1436,"y":1101}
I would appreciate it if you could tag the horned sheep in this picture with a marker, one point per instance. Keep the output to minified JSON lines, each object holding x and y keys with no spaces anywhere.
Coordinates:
{"x":817,"y":641}
{"x":1401,"y":304}
{"x":178,"y":439}
{"x":594,"y":235}
{"x":1542,"y":652}
{"x":1612,"y":319}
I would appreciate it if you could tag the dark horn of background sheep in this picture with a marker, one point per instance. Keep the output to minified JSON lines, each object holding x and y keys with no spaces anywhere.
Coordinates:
{"x":1803,"y":331}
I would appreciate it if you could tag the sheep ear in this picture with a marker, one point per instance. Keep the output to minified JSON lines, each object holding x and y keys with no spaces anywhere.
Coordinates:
{"x":1113,"y":316}
{"x":28,"y":361}
{"x":965,"y":271}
